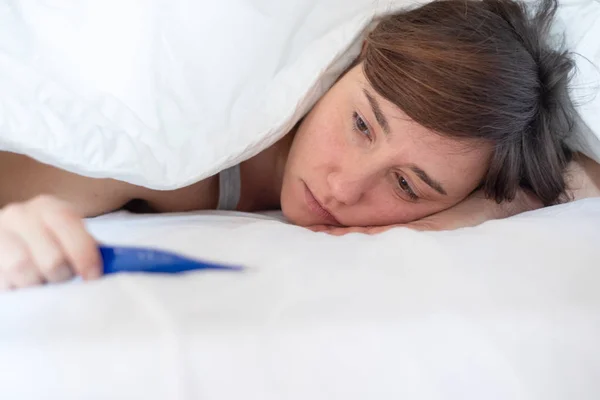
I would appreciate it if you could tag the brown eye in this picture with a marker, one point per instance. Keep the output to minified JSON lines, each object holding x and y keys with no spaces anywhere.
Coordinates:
{"x":405,"y":187}
{"x":403,"y":184}
{"x":361,"y":126}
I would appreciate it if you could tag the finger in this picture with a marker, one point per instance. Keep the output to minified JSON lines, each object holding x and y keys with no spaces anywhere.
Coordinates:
{"x":427,"y":225}
{"x":327,"y":228}
{"x":4,"y":282}
{"x":343,"y":231}
{"x":319,"y":228}
{"x":336,"y":231}
{"x":333,"y":231}
{"x":78,"y":246}
{"x":45,"y":254}
{"x":365,"y":230}
{"x":374,"y":230}
{"x":5,"y":286}
{"x":16,"y":265}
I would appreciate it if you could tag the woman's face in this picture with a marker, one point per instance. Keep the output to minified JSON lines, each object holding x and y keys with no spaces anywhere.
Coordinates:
{"x":358,"y":160}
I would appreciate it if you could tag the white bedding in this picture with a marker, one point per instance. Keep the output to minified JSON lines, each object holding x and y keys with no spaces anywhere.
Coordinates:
{"x":164,"y":93}
{"x":508,"y":310}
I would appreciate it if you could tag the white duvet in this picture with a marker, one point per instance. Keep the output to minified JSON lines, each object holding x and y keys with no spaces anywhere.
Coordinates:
{"x":508,"y":310}
{"x":163,"y":93}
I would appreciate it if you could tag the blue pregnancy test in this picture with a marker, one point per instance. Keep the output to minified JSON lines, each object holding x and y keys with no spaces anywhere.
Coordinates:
{"x":139,"y":259}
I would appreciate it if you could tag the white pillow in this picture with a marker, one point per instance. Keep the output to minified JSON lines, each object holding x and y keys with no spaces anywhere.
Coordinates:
{"x":165,"y":93}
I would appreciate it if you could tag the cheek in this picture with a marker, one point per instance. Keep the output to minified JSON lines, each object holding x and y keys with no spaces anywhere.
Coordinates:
{"x":320,"y":139}
{"x":382,"y":208}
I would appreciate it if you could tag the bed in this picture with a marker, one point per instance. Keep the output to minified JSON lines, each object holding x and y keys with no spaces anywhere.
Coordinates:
{"x":506,"y":310}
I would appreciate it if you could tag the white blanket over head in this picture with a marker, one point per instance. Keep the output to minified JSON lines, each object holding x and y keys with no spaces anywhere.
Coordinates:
{"x":163,"y":93}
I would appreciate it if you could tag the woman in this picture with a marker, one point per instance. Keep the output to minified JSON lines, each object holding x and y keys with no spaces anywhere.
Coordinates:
{"x":456,"y":112}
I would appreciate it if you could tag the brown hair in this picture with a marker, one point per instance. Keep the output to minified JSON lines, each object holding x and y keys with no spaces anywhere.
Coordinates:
{"x":485,"y":70}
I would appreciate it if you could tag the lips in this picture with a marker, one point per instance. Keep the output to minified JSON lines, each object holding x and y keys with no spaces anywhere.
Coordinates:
{"x":317,"y":209}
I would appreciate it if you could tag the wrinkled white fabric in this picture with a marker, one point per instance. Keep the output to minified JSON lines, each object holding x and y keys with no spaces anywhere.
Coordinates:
{"x":163,"y":93}
{"x":507,"y":310}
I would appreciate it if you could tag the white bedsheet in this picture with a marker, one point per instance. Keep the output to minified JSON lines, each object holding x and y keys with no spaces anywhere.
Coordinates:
{"x":507,"y":310}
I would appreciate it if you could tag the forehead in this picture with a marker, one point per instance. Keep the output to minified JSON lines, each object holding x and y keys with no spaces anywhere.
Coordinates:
{"x":411,"y":142}
{"x":448,"y":160}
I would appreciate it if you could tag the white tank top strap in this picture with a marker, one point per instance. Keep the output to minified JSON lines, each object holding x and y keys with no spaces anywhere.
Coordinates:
{"x":229,"y":188}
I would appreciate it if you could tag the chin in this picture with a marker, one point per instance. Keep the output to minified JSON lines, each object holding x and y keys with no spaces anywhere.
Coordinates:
{"x":294,"y":217}
{"x":294,"y":208}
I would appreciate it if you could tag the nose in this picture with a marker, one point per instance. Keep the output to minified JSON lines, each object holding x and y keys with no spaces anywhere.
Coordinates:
{"x":348,"y":187}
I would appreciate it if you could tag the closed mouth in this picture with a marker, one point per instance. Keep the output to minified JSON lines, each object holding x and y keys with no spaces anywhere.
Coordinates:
{"x":316,"y":207}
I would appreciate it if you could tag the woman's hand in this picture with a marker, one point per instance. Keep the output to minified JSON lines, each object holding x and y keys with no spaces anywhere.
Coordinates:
{"x":472,"y":211}
{"x":44,"y":240}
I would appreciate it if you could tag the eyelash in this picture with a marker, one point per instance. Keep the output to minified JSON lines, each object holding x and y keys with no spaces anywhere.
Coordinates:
{"x":405,"y":187}
{"x":360,"y":126}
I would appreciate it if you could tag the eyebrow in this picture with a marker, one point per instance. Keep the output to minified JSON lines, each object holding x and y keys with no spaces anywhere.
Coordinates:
{"x":435,"y":185}
{"x":381,"y":119}
{"x":383,"y":122}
